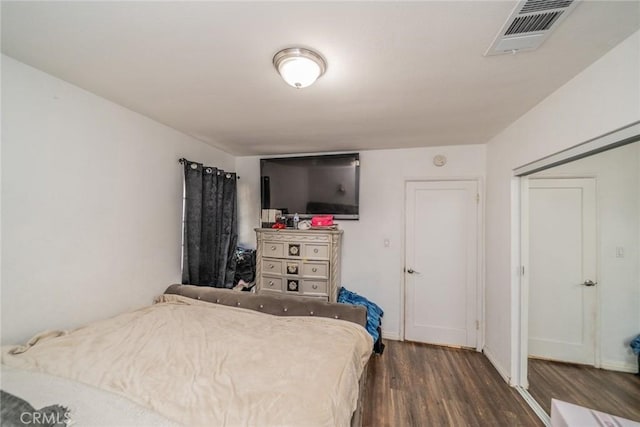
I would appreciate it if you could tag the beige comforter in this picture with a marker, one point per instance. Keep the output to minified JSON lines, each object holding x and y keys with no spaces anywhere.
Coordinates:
{"x":204,"y":364}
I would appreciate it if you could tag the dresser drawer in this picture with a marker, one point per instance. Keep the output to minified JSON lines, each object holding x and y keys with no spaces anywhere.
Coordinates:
{"x":316,"y":269}
{"x":293,"y":249}
{"x":313,"y":250}
{"x":292,"y":267}
{"x":273,"y":249}
{"x":314,"y":287}
{"x":272,"y":266}
{"x":271,"y":283}
{"x":292,"y":285}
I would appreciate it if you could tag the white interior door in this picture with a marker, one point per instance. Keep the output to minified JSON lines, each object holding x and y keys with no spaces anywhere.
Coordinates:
{"x":562,"y":256}
{"x":441,"y":272}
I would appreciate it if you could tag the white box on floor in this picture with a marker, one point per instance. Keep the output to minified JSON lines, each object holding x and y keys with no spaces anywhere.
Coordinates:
{"x":565,"y":414}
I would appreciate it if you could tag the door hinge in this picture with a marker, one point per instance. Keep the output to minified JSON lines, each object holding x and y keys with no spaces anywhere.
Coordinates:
{"x":478,"y":198}
{"x":522,"y":270}
{"x":477,"y":325}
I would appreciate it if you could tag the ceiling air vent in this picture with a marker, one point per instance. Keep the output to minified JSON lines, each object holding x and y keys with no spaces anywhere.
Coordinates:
{"x":532,"y":23}
{"x":540,"y":5}
{"x":529,"y":25}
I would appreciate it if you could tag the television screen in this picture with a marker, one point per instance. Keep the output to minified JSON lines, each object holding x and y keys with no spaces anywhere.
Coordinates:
{"x":312,"y":185}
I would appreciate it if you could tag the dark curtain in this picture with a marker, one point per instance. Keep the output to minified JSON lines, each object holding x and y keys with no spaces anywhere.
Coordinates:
{"x":210,"y":229}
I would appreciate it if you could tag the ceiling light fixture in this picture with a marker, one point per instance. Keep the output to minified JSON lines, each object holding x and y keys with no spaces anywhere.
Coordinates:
{"x":299,"y":67}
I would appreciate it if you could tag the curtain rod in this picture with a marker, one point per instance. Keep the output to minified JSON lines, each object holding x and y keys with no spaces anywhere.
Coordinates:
{"x":181,"y":160}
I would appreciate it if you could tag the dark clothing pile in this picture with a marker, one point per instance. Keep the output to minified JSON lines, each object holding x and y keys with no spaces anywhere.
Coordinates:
{"x":635,"y":346}
{"x":374,"y":315}
{"x":245,"y":266}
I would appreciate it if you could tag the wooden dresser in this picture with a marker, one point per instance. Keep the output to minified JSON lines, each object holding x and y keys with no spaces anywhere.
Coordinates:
{"x":299,"y":262}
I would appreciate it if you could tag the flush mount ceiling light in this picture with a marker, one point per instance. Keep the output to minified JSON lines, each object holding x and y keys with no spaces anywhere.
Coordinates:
{"x":299,"y":67}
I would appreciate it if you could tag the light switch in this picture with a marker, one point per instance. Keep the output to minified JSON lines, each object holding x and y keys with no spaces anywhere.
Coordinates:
{"x":619,"y":252}
{"x":387,"y":243}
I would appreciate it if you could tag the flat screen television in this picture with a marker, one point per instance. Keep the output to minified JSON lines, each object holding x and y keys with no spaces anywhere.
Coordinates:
{"x":312,"y":185}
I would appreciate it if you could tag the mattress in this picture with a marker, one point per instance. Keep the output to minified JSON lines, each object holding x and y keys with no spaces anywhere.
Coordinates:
{"x":198,"y":363}
{"x":87,"y":405}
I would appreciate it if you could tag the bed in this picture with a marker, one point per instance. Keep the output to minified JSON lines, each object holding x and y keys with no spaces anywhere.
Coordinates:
{"x":205,"y":356}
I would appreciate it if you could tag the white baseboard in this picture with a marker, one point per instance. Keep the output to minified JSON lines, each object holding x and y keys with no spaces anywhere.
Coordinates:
{"x":615,"y":365}
{"x":393,"y":336}
{"x":503,"y":373}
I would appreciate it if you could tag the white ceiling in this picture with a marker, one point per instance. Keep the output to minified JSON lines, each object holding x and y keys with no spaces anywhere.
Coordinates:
{"x":400,"y":74}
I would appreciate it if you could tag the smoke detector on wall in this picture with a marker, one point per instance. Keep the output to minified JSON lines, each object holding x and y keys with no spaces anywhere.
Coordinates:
{"x":439,"y":160}
{"x":529,"y":25}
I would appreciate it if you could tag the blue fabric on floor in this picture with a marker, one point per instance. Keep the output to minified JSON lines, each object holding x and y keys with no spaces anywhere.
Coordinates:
{"x":635,"y":345}
{"x":374,"y":312}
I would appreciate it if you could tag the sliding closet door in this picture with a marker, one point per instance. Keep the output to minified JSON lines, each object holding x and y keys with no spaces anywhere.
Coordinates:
{"x":562,"y":273}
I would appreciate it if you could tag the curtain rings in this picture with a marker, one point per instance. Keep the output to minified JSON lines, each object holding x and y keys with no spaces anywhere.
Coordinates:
{"x":205,"y":169}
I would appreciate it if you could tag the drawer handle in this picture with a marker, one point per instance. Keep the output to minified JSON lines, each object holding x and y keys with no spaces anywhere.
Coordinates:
{"x":315,"y":251}
{"x":314,"y":269}
{"x":271,"y":283}
{"x":273,"y":248}
{"x":271,"y":266}
{"x":314,"y":286}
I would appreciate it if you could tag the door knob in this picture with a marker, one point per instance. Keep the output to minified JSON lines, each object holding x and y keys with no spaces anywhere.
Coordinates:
{"x":412,"y":271}
{"x":589,"y":283}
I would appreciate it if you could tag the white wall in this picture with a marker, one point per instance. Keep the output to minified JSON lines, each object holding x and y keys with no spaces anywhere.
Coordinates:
{"x":91,"y":204}
{"x":618,"y":203}
{"x":604,"y":97}
{"x":369,"y":267}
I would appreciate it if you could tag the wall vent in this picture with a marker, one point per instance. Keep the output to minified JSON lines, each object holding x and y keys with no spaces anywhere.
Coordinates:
{"x":529,"y":25}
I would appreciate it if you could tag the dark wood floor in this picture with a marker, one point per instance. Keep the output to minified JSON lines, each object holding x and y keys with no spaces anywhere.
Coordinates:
{"x":616,"y":393}
{"x":415,"y":384}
